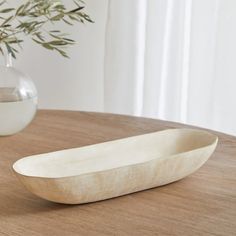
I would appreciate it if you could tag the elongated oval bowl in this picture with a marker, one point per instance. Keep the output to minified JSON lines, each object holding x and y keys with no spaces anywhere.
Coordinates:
{"x":115,"y":168}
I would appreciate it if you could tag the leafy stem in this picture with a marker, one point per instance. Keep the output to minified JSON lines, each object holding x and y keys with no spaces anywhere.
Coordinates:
{"x":34,"y":18}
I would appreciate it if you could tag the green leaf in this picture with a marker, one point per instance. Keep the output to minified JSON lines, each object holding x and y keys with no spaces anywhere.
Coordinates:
{"x":7,"y":20}
{"x":55,"y":31}
{"x":19,"y":10}
{"x":10,"y":50}
{"x":32,"y":18}
{"x":1,"y":51}
{"x":2,"y":2}
{"x":7,"y":10}
{"x":67,"y":22}
{"x":76,"y":9}
{"x":57,"y":17}
{"x":63,"y":53}
{"x":47,"y":46}
{"x":39,"y":36}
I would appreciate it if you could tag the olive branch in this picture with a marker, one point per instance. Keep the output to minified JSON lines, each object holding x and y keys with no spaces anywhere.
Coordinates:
{"x":37,"y":19}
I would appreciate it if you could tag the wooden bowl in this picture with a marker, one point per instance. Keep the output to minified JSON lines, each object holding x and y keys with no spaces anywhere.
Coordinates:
{"x":115,"y":168}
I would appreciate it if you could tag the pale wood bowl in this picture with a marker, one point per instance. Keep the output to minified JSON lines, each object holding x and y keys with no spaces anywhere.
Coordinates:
{"x":115,"y":168}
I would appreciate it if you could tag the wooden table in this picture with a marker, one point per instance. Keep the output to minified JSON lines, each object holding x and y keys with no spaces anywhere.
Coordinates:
{"x":201,"y":204}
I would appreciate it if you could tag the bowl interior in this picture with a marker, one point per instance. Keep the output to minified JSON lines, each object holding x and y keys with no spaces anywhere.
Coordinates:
{"x":113,"y":154}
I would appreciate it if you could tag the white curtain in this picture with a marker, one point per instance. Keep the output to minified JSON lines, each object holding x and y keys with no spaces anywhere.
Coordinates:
{"x":164,"y":59}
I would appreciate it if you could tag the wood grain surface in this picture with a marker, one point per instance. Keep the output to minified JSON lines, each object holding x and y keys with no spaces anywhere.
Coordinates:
{"x":202,"y":204}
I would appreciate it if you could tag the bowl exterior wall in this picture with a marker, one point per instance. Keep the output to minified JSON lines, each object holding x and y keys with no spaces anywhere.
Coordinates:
{"x":119,"y":181}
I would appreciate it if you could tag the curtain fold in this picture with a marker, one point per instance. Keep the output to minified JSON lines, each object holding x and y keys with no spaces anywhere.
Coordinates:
{"x":161,"y":59}
{"x":124,"y":56}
